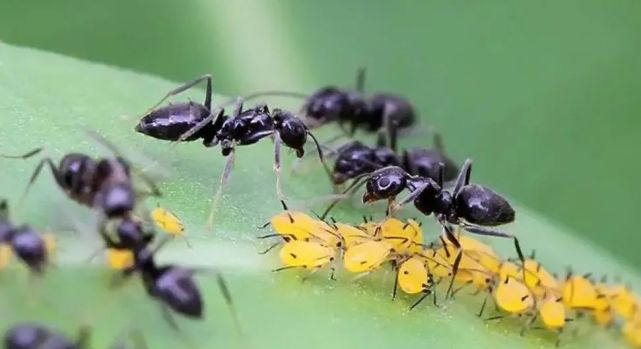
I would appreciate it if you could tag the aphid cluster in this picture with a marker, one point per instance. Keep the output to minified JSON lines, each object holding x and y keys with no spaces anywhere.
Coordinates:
{"x":524,"y":290}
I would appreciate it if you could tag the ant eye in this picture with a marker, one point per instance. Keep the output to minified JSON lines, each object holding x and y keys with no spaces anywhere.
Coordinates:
{"x":384,"y":183}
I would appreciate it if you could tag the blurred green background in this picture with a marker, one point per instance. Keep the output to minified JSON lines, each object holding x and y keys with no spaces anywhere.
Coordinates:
{"x":544,"y":95}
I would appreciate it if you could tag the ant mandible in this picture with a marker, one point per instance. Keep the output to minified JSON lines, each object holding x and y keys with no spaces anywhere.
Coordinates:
{"x":190,"y":121}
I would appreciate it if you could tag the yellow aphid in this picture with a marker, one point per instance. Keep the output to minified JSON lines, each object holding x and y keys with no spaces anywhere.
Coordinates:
{"x":539,"y":279}
{"x":294,"y":223}
{"x":552,"y":313}
{"x":412,"y":275}
{"x":580,"y":293}
{"x":603,"y":317}
{"x":513,"y":296}
{"x":366,"y":256}
{"x":5,"y":255}
{"x":352,"y":235}
{"x":437,"y":264}
{"x":167,"y":221}
{"x":326,"y":234}
{"x":120,"y":258}
{"x":405,"y":237}
{"x":623,"y":301}
{"x":632,"y":331}
{"x":510,"y":270}
{"x":306,"y":254}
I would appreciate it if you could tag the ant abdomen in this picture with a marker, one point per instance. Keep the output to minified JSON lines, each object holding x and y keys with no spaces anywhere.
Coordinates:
{"x":480,"y":205}
{"x":176,"y":287}
{"x":172,"y":121}
{"x":399,"y":111}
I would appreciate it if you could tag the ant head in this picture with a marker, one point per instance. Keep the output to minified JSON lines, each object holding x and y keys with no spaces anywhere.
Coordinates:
{"x":385,"y":183}
{"x":351,"y":162}
{"x":327,"y":104}
{"x":73,"y":168}
{"x":291,"y":129}
{"x":30,"y":247}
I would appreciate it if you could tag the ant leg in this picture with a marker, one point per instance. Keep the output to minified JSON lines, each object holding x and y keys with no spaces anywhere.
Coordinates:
{"x":357,"y":183}
{"x":463,"y":177}
{"x":266,"y":94}
{"x":395,"y":284}
{"x":54,"y":170}
{"x":187,"y":86}
{"x":4,"y":209}
{"x":222,"y":285}
{"x":360,"y":79}
{"x":491,"y":232}
{"x":438,"y":142}
{"x":25,"y":155}
{"x":153,"y":188}
{"x":277,"y":151}
{"x":229,"y":165}
{"x":209,"y":120}
{"x":238,"y":108}
{"x":409,"y":198}
{"x":483,"y":305}
{"x":321,"y":158}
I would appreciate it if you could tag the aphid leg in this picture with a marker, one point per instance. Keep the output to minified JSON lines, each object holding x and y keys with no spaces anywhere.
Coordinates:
{"x":284,"y":268}
{"x":483,"y":305}
{"x":425,"y":294}
{"x":229,"y":165}
{"x":185,"y":87}
{"x":310,"y":274}
{"x":463,"y":177}
{"x":332,"y":273}
{"x":496,"y":317}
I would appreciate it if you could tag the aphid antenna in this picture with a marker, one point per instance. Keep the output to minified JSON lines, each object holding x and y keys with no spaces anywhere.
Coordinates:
{"x":264,"y":225}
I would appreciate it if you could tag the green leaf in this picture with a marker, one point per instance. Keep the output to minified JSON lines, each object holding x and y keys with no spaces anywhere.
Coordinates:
{"x":49,"y":100}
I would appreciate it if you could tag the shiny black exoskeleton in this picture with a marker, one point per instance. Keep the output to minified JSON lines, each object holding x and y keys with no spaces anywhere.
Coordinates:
{"x":104,"y":184}
{"x":172,"y":285}
{"x":467,"y":203}
{"x":34,"y":336}
{"x":356,"y":159}
{"x":352,"y":107}
{"x":191,"y":121}
{"x":130,"y":233}
{"x":473,"y":207}
{"x":25,"y":242}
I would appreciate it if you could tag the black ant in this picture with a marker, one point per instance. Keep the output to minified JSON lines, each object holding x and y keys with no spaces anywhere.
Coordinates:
{"x":356,"y":159}
{"x":345,"y":106}
{"x":103,"y":183}
{"x":473,"y":207}
{"x":36,"y":336}
{"x":191,"y":121}
{"x":26,"y":243}
{"x":173,"y":286}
